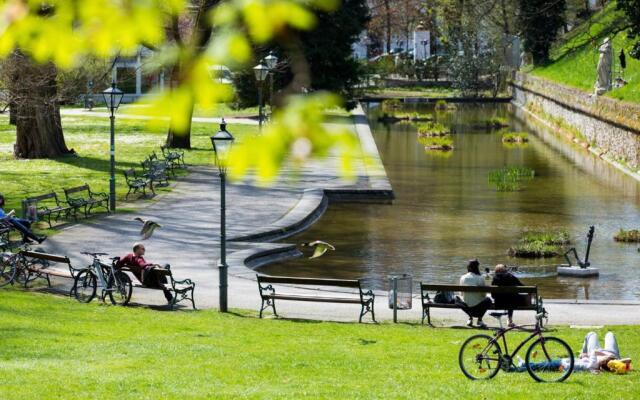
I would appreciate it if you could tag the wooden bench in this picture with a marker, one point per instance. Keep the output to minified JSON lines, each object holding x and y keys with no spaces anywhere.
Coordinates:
{"x":269,"y":296}
{"x":39,"y":266}
{"x":89,"y":201}
{"x":175,"y":157}
{"x":33,"y":208}
{"x":181,"y":290}
{"x":136,"y":183}
{"x":534,"y":303}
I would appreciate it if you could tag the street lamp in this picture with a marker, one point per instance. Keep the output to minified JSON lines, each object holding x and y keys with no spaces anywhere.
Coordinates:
{"x":112,"y":98}
{"x":261,"y":72}
{"x":271,"y":60}
{"x":222,"y":142}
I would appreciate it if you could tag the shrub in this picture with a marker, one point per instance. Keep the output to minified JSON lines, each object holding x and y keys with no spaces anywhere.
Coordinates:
{"x":498,"y":122}
{"x":535,"y":244}
{"x":437,"y":143}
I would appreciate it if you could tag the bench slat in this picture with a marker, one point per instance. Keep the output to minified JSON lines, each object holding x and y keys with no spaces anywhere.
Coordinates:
{"x":320,"y":299}
{"x":51,"y":271}
{"x":485,"y":289}
{"x":46,"y":256}
{"x":309,"y":281}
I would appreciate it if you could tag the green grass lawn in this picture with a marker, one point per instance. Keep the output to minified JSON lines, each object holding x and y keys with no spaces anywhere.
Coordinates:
{"x":575,"y":56}
{"x":89,"y":137}
{"x":53,"y":347}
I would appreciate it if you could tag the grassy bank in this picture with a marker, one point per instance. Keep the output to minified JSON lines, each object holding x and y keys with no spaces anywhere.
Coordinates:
{"x":53,"y":347}
{"x":89,"y":137}
{"x":575,"y":56}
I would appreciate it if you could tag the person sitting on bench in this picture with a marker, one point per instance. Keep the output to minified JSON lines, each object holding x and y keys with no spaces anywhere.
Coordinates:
{"x":475,"y":304}
{"x":144,"y":271}
{"x":507,"y":301}
{"x":22,"y":225}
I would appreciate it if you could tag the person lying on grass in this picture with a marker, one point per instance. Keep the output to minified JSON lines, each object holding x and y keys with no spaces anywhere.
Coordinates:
{"x":21,"y":225}
{"x":593,"y":358}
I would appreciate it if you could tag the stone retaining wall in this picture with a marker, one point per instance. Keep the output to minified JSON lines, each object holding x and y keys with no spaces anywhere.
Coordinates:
{"x":611,"y":126}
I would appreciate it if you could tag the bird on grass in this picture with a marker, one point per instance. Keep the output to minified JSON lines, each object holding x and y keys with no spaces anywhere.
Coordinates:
{"x":319,"y":246}
{"x":148,"y":226}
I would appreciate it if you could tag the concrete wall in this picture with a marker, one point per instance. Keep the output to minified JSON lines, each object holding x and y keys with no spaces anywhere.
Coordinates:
{"x":610,"y":127}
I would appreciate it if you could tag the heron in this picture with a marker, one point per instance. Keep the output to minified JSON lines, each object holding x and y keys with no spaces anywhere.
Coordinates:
{"x":319,"y":246}
{"x":148,"y":226}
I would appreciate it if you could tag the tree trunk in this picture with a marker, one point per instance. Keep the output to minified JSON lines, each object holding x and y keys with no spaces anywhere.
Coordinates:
{"x":179,"y":139}
{"x":387,"y":10}
{"x":34,"y":93}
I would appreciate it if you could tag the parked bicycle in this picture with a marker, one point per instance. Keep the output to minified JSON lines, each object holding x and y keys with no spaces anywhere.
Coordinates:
{"x":114,"y":283}
{"x":548,"y":358}
{"x":14,"y":266}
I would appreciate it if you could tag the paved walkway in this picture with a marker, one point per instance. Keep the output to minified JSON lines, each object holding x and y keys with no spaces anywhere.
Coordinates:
{"x":255,"y":217}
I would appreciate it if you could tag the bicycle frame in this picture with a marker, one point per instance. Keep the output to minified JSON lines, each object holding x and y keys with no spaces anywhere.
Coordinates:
{"x":501,"y":334}
{"x":99,"y":269}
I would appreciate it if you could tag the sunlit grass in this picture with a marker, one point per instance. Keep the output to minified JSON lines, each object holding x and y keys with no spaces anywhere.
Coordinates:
{"x":575,"y":57}
{"x":89,"y":137}
{"x":55,"y":348}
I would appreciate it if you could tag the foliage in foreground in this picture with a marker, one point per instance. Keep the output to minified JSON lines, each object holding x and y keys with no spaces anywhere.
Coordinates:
{"x":53,"y":347}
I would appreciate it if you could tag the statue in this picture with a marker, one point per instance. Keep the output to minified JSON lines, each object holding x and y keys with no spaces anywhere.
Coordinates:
{"x":603,"y":83}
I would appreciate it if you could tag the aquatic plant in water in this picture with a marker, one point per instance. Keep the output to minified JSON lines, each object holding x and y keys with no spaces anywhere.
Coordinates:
{"x":498,"y":122}
{"x":432,"y":129}
{"x":515,"y":137}
{"x":444,"y":143}
{"x":628,"y":236}
{"x":535,"y":244}
{"x":510,"y":179}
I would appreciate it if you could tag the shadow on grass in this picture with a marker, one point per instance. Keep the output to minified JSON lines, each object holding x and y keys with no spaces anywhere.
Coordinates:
{"x":95,"y":164}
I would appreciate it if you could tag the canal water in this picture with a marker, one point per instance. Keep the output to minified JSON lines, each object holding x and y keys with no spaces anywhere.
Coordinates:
{"x":446,"y":212}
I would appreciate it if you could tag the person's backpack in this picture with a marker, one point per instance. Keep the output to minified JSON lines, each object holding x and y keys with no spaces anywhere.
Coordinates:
{"x":444,"y":297}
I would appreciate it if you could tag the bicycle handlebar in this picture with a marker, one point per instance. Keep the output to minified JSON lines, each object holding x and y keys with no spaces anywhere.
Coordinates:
{"x":86,"y":253}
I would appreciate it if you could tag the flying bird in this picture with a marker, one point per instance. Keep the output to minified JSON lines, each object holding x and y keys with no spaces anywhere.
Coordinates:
{"x":148,"y":226}
{"x":320,"y":248}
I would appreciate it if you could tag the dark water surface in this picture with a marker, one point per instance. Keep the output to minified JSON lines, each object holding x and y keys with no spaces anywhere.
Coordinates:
{"x":445,"y":212}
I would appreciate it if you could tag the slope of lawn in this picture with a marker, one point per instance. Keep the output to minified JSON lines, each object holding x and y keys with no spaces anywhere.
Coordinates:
{"x":54,"y":348}
{"x":575,"y":56}
{"x":89,"y":137}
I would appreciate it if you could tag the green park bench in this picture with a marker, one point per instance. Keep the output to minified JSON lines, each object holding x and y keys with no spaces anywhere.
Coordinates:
{"x":269,"y":296}
{"x":81,"y":197}
{"x":137,"y":183}
{"x":45,"y":206}
{"x":534,"y":303}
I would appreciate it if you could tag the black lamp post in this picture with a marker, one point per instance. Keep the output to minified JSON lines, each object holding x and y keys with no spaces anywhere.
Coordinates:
{"x":222,"y":142}
{"x":112,"y":97}
{"x":261,"y":72}
{"x":271,"y":60}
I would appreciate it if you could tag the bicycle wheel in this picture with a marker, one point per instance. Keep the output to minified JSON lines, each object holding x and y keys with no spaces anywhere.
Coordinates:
{"x":7,"y":269}
{"x":84,"y":286}
{"x":549,"y":359}
{"x":480,"y":357}
{"x":121,"y":286}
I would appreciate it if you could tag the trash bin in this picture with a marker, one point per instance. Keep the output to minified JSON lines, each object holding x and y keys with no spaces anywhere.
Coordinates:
{"x":400,"y":293}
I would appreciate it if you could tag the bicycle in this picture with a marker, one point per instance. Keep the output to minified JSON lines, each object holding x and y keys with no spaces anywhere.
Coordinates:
{"x":548,"y":358}
{"x":114,"y":283}
{"x":14,"y":266}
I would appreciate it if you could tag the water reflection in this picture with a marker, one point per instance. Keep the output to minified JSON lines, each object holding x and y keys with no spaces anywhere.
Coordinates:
{"x":446,"y":213}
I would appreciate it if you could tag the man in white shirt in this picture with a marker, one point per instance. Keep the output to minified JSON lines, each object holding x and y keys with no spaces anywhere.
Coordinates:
{"x":475,"y":304}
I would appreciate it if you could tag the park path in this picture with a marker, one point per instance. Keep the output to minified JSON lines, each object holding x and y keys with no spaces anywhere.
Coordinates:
{"x":256,"y":216}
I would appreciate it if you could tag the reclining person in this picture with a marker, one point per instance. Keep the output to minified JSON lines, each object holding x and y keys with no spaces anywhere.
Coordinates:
{"x":21,"y":225}
{"x":147,"y":273}
{"x":592,"y":358}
